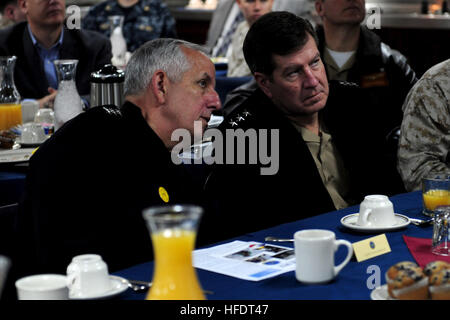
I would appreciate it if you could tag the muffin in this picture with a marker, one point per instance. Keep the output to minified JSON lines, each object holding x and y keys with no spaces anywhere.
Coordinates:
{"x":410,"y":284}
{"x":394,"y":270}
{"x":440,"y":285}
{"x":435,"y":267}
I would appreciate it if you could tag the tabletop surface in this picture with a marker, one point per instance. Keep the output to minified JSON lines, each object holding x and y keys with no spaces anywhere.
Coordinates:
{"x":354,"y":282}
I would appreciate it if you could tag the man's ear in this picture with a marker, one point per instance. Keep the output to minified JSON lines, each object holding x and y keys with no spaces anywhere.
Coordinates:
{"x":319,"y":9}
{"x":263,"y":82}
{"x":159,"y":86}
{"x":22,"y":4}
{"x":8,"y":12}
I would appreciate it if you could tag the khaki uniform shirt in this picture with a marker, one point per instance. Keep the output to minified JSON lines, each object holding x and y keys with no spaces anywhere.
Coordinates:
{"x":328,"y":163}
{"x":237,"y":67}
{"x":424,"y":143}
{"x":333,"y":71}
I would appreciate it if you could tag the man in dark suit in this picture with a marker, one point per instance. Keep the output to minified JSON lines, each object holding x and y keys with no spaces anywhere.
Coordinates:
{"x":89,"y":183}
{"x":323,"y":152}
{"x":43,"y":39}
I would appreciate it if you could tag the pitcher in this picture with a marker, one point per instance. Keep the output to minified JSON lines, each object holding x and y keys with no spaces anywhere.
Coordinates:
{"x":118,"y":43}
{"x":68,"y":102}
{"x":10,"y":107}
{"x":173,"y":232}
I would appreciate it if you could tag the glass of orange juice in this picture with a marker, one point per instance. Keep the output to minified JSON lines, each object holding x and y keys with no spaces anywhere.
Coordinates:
{"x":173,"y":232}
{"x":435,"y":191}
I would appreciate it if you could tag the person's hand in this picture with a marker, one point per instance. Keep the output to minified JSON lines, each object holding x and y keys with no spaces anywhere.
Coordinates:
{"x":47,"y":101}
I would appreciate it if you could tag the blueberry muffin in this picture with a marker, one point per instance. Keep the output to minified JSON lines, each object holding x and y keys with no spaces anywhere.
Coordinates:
{"x":393,"y":271}
{"x":440,"y":285}
{"x":434,"y":267}
{"x":410,"y":284}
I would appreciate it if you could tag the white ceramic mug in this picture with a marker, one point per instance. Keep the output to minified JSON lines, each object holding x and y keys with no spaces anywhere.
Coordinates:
{"x":376,"y":211}
{"x":43,"y":287}
{"x":87,"y":276}
{"x":314,"y":255}
{"x":29,"y":109}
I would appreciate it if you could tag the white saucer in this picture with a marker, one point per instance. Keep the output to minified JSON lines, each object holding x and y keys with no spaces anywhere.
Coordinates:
{"x":381,"y":293}
{"x":118,"y":285}
{"x":350,"y":221}
{"x":29,"y":144}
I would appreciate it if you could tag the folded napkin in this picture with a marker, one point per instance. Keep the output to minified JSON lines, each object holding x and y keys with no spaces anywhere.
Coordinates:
{"x":421,"y":250}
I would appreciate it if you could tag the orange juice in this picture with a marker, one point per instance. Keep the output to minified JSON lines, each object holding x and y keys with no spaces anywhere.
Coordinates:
{"x":174,"y":276}
{"x":435,"y":197}
{"x":10,"y":115}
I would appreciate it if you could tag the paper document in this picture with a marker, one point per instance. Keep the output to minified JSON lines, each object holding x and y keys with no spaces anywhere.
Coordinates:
{"x":246,"y":260}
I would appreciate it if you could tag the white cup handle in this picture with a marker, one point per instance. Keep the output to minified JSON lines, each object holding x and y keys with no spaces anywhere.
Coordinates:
{"x":365,"y":216}
{"x":73,"y":279}
{"x":337,"y":243}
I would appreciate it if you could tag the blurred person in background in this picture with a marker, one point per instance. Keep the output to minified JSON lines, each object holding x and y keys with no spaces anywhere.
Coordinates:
{"x":44,"y":38}
{"x":11,"y":13}
{"x":227,"y":16}
{"x":144,"y":20}
{"x":252,"y":10}
{"x":424,"y":144}
{"x":351,"y":52}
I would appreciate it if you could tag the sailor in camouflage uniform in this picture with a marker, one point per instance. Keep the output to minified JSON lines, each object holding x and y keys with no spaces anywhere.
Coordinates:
{"x":425,"y":132}
{"x":143,"y":21}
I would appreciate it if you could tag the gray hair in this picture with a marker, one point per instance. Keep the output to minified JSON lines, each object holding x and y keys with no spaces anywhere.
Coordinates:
{"x":159,"y":54}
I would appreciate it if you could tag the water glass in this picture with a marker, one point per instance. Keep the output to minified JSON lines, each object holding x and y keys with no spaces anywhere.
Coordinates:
{"x":46,"y":117}
{"x":441,"y":244}
{"x":435,"y":191}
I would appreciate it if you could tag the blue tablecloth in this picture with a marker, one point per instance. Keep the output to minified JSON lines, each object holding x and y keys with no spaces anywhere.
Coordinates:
{"x":11,"y":187}
{"x":354,"y":282}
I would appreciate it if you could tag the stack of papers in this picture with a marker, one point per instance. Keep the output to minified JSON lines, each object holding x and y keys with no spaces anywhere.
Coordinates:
{"x":252,"y":261}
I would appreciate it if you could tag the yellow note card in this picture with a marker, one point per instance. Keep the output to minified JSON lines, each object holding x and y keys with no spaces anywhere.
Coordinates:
{"x":371,"y":247}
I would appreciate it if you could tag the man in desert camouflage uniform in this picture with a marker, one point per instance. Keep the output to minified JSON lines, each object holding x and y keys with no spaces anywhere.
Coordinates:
{"x":425,"y":132}
{"x":144,"y":20}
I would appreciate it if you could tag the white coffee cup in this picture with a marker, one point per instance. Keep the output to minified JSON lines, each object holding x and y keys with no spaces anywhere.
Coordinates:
{"x":88,"y":276}
{"x":314,"y":255}
{"x":376,"y":211}
{"x":32,"y":133}
{"x":43,"y":287}
{"x":29,"y":109}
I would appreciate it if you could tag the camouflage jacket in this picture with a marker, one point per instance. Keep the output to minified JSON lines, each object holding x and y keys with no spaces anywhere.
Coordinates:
{"x":146,"y":20}
{"x":425,"y":132}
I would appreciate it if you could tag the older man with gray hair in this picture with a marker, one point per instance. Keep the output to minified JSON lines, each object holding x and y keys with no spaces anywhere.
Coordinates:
{"x":88,"y":184}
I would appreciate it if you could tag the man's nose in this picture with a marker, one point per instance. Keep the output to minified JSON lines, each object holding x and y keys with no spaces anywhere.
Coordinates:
{"x":213,"y":101}
{"x":310,"y":79}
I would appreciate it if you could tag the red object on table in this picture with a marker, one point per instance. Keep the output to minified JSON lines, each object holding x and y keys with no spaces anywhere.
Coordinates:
{"x":420,"y":248}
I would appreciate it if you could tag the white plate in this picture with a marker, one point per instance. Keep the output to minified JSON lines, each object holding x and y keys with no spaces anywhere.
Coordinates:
{"x":28,"y":144}
{"x":118,"y":285}
{"x":350,"y":221}
{"x":381,"y":293}
{"x":15,"y":156}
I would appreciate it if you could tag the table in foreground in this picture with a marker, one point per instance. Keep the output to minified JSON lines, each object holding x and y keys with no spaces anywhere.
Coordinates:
{"x":354,"y":282}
